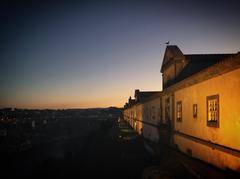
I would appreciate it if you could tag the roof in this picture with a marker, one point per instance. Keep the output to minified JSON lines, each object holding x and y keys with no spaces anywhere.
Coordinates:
{"x":194,"y":63}
{"x":226,"y":65}
{"x":198,"y":62}
{"x":142,"y":96}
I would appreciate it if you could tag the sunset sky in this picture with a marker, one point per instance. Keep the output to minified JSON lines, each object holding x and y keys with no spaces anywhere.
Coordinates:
{"x":81,"y":54}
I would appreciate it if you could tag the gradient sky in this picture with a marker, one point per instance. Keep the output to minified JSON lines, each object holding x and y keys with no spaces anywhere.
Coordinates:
{"x":80,"y":54}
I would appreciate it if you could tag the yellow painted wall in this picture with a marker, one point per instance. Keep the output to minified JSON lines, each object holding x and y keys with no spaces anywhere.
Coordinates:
{"x":128,"y":115}
{"x":218,"y":158}
{"x":151,"y":111}
{"x":151,"y":114}
{"x":227,"y":86}
{"x":139,"y":113}
{"x":132,"y":115}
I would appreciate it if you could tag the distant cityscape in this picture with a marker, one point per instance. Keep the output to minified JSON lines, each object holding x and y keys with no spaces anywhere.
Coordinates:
{"x":23,"y":129}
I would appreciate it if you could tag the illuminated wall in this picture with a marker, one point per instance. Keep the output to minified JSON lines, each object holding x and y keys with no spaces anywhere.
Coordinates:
{"x":138,"y":118}
{"x":144,"y":117}
{"x":151,"y":118}
{"x":227,"y":87}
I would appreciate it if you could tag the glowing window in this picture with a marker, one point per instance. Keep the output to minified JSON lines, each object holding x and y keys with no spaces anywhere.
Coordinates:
{"x":213,"y":111}
{"x":179,"y":111}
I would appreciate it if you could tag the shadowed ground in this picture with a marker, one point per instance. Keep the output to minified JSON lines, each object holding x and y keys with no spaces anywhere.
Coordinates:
{"x":107,"y":149}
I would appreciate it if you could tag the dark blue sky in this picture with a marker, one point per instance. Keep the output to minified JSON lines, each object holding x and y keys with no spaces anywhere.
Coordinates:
{"x":95,"y":53}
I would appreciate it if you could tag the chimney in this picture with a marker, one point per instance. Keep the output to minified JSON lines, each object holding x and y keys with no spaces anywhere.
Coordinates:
{"x":129,"y":99}
{"x":137,"y":91}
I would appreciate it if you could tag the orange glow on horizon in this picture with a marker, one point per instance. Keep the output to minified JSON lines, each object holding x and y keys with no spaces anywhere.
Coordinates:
{"x":74,"y":97}
{"x":101,"y":103}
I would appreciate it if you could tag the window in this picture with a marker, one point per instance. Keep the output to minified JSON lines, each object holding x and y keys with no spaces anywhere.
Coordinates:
{"x":179,"y":111}
{"x":213,"y":111}
{"x":195,"y":110}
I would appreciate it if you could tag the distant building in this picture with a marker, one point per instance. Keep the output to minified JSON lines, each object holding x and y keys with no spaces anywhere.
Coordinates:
{"x":198,"y":110}
{"x":143,"y":113}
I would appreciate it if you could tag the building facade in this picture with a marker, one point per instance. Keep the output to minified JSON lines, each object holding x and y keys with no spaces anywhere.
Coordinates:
{"x":197,"y":111}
